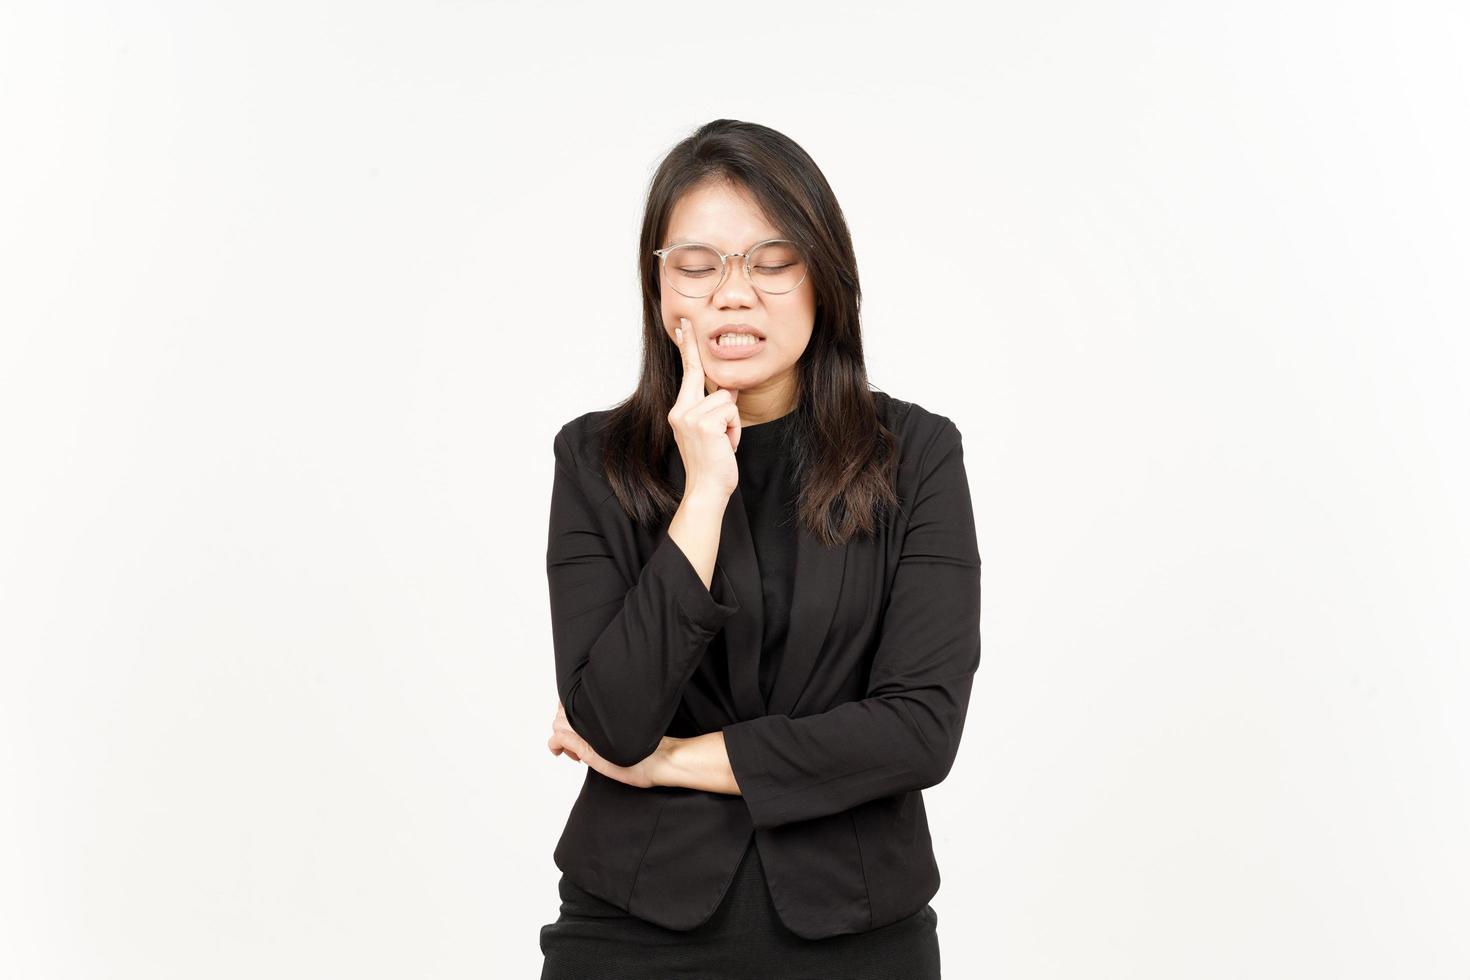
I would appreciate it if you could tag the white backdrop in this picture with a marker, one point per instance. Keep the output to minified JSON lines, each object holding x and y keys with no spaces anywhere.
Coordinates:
{"x":285,"y":337}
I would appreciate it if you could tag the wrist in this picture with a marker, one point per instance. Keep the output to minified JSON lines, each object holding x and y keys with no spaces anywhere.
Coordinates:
{"x":705,"y":500}
{"x":665,"y":767}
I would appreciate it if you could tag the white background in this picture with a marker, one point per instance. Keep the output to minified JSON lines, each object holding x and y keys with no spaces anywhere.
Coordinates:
{"x":285,"y":334}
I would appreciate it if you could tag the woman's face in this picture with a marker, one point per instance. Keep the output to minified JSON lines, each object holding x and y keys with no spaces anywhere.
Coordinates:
{"x":723,"y":216}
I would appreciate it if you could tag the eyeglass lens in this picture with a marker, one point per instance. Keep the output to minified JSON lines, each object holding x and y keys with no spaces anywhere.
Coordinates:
{"x":694,"y":270}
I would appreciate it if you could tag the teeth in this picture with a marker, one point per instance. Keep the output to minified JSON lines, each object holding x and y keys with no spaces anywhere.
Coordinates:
{"x":737,"y":340}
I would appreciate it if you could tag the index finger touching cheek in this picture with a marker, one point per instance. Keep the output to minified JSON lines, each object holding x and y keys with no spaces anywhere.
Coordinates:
{"x":692,"y":390}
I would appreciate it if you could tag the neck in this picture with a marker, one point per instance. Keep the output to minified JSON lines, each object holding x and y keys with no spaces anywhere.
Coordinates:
{"x":763,"y":402}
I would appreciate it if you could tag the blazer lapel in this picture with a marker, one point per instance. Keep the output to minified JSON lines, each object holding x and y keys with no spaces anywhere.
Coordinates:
{"x":817,"y":585}
{"x":813,"y":601}
{"x":744,"y":631}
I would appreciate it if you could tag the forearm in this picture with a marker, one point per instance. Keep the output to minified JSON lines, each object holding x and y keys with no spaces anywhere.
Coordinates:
{"x":695,"y":528}
{"x":695,"y":763}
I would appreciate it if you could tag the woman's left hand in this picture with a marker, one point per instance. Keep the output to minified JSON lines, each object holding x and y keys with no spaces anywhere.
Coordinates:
{"x":565,"y":740}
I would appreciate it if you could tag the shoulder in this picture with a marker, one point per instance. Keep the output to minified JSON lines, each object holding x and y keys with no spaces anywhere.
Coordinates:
{"x":922,"y":433}
{"x":580,"y":439}
{"x":577,"y":448}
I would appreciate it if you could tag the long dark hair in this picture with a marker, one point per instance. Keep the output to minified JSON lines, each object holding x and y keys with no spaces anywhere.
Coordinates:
{"x":846,"y":458}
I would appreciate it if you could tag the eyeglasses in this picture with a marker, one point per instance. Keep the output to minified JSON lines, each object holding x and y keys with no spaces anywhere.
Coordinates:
{"x":776,"y":265}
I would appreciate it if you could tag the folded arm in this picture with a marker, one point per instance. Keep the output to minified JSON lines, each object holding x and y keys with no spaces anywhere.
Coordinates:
{"x":624,"y":649}
{"x":904,"y":735}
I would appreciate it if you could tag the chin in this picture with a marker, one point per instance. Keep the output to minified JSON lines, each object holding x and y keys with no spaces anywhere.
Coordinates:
{"x":737,"y":376}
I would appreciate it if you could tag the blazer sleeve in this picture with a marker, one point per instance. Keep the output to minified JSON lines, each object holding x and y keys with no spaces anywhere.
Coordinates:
{"x":905,"y":733}
{"x":624,"y":649}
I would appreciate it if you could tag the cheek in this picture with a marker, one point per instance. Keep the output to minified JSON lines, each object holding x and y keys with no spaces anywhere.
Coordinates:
{"x":671,"y":311}
{"x":794,"y":344}
{"x":796,"y":347}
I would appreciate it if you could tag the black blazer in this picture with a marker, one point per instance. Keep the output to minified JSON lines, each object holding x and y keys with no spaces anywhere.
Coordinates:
{"x":865,"y":711}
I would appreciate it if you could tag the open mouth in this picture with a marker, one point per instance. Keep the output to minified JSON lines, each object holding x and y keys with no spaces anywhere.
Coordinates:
{"x":737,"y":339}
{"x":735,"y":331}
{"x":735,"y":344}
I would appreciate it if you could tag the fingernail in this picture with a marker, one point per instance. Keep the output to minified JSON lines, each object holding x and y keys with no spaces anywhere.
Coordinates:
{"x":678,"y":335}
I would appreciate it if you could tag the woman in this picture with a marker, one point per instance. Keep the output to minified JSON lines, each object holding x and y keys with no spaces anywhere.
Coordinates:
{"x":765,"y":595}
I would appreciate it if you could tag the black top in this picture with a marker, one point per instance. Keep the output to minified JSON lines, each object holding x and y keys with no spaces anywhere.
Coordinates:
{"x":768,"y":487}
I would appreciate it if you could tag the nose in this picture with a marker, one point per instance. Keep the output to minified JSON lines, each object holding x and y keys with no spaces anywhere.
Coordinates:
{"x":735,"y":292}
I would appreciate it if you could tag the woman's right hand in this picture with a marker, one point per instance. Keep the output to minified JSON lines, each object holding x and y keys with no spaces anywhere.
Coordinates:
{"x":706,"y":427}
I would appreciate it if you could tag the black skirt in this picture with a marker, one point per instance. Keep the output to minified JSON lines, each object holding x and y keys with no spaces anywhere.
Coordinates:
{"x":743,"y":939}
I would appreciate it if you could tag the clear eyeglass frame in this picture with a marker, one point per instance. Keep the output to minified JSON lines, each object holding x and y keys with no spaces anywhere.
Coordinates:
{"x":663,"y":254}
